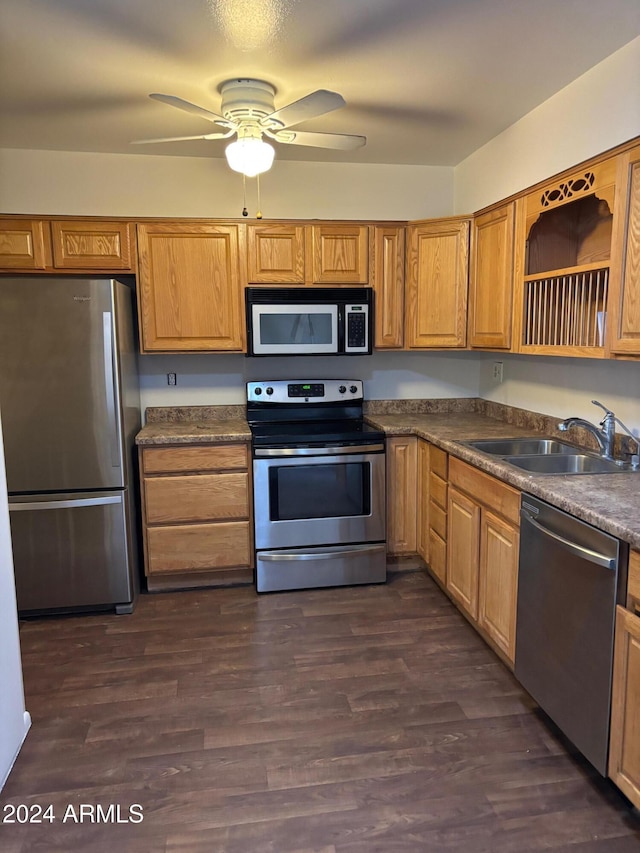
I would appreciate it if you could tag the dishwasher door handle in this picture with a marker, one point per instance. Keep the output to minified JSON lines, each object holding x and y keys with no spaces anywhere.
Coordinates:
{"x":571,"y":547}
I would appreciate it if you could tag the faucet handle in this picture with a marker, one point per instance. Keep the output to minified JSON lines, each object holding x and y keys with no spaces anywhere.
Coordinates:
{"x":604,"y":408}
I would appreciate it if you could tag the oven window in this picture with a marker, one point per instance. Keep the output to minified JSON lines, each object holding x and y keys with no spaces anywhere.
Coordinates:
{"x":319,"y":491}
{"x":296,"y":328}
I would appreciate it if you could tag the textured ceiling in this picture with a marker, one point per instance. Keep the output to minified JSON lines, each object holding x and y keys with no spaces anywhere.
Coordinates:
{"x":426,"y":81}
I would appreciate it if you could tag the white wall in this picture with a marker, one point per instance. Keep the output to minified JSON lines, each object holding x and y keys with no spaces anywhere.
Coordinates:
{"x":14,"y":720}
{"x":596,"y":112}
{"x":137,"y":185}
{"x":205,"y":380}
{"x":565,"y":386}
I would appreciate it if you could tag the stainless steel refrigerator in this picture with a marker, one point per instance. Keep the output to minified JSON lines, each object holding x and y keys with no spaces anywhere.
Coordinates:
{"x":70,"y":408}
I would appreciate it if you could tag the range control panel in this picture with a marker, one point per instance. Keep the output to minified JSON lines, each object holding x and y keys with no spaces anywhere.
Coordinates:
{"x":313,"y":391}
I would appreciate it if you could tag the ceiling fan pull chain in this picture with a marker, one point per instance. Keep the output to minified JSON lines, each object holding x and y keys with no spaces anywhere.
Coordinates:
{"x":245,"y":212}
{"x":258,"y":212}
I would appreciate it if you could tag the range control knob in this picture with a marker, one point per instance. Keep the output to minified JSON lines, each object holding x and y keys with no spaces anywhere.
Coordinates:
{"x":342,"y":389}
{"x":353,"y":389}
{"x":269,"y":390}
{"x":258,"y":392}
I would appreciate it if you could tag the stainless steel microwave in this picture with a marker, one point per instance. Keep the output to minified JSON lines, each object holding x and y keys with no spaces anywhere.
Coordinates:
{"x":309,"y":320}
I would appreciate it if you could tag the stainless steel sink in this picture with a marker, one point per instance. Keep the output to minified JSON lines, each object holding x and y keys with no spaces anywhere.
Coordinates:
{"x":566,"y":463}
{"x":522,"y":446}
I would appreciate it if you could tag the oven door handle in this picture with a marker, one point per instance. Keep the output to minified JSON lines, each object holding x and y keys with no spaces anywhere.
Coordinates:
{"x":339,"y":554}
{"x":318,"y":451}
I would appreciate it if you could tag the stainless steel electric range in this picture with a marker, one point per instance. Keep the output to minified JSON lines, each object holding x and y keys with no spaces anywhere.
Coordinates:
{"x":318,"y":485}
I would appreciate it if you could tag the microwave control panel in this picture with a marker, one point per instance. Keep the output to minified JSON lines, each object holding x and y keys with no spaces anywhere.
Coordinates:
{"x":357,"y":321}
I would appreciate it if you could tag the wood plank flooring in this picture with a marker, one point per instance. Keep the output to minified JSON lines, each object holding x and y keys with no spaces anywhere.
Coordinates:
{"x":353,"y":720}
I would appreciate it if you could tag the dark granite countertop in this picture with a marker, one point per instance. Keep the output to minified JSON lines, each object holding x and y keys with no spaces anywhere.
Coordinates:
{"x":193,"y":425}
{"x":608,"y":501}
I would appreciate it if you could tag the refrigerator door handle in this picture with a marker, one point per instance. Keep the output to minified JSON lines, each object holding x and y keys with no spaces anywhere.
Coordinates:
{"x":70,"y":504}
{"x":110,"y":387}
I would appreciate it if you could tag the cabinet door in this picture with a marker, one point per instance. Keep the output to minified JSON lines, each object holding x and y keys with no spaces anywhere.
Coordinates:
{"x":92,"y":245}
{"x":401,"y":494}
{"x":437,"y":278}
{"x":189,"y":287}
{"x":276,"y":254}
{"x":388,"y":283}
{"x":623,"y":324}
{"x":340,"y":254}
{"x":23,"y":244}
{"x":422,"y":500}
{"x":491,"y":280}
{"x":498,"y":582}
{"x":463,"y":538}
{"x":624,"y":755}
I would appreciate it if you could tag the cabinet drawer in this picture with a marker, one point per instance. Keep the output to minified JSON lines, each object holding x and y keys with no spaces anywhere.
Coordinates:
{"x":633,"y":588}
{"x":165,"y":460}
{"x":198,"y":547}
{"x":438,"y":462}
{"x":438,"y":556}
{"x":438,"y":520}
{"x":438,"y":490}
{"x":197,"y":498}
{"x":488,"y":491}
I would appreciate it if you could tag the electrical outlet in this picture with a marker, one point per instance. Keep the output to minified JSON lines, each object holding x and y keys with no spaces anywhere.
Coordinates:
{"x":497,"y":371}
{"x":171,"y":378}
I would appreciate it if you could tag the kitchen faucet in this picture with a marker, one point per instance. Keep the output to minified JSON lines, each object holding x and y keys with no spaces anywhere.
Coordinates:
{"x":604,"y":434}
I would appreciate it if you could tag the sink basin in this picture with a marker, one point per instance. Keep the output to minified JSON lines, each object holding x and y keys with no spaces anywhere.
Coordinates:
{"x":566,"y":463}
{"x":522,"y":446}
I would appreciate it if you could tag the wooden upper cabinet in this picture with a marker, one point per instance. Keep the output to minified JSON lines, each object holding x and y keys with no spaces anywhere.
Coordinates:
{"x":623,"y":324}
{"x":189,"y":292}
{"x":22,"y":244}
{"x":491,"y":279}
{"x":276,"y":254}
{"x":70,"y":244}
{"x":388,"y":283}
{"x":92,"y":245}
{"x":437,"y":279}
{"x":340,"y":254}
{"x":563,"y":254}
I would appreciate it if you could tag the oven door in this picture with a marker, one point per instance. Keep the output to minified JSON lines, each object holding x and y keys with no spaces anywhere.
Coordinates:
{"x":319,"y":496}
{"x":294,"y":329}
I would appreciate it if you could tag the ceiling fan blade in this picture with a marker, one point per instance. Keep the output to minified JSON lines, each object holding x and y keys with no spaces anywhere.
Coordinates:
{"x":316,"y":104}
{"x":188,"y":107}
{"x":338,"y":141}
{"x":184,"y":138}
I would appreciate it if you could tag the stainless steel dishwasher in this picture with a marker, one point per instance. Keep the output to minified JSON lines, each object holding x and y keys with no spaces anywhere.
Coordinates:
{"x":571,"y":575}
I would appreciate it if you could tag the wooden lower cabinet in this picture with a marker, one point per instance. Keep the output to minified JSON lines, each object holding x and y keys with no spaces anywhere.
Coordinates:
{"x":498,"y":581}
{"x":438,"y":494}
{"x":422,"y":500}
{"x":196,"y":515}
{"x":402,"y":456}
{"x":482,"y":552}
{"x":624,"y":751}
{"x":463,"y":555}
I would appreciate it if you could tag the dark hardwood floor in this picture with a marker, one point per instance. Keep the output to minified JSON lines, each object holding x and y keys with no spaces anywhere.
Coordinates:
{"x":353,"y":720}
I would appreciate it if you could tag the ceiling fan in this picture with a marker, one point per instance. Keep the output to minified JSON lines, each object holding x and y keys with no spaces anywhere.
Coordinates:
{"x":248,"y":110}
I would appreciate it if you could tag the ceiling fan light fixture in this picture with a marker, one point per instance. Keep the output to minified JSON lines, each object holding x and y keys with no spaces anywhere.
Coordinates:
{"x":250,"y":156}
